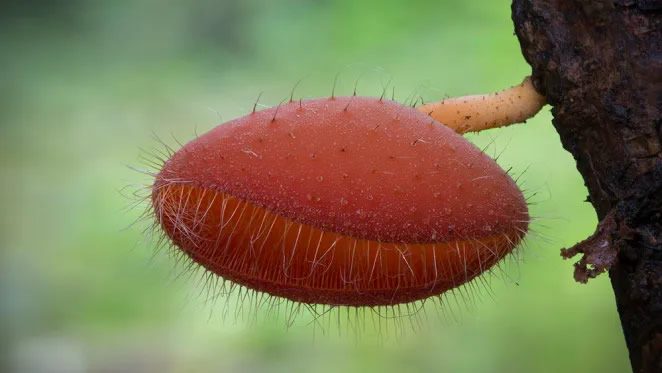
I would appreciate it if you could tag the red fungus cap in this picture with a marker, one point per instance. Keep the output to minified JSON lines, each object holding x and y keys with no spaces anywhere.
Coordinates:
{"x":358,"y":166}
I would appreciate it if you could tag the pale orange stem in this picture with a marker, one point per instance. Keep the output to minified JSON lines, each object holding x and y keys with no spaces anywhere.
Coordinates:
{"x":480,"y":112}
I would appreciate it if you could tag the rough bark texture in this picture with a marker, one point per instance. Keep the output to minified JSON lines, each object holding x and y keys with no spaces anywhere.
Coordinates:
{"x":599,"y":63}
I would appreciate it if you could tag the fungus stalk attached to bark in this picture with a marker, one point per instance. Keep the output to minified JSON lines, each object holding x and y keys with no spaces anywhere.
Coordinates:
{"x":480,"y":112}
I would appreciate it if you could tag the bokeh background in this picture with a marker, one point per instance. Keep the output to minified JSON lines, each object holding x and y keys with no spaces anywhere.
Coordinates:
{"x":84,"y":84}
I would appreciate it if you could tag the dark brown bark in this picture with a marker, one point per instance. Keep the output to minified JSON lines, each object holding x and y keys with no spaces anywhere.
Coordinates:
{"x":599,"y":63}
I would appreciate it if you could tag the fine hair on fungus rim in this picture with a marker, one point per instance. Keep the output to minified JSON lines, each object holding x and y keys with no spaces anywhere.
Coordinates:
{"x":339,"y":201}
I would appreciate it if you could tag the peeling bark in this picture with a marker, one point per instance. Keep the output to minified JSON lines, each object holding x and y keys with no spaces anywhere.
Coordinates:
{"x":600,"y":252}
{"x":599,"y":63}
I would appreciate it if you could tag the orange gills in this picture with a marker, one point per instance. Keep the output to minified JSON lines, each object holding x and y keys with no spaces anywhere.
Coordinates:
{"x":353,"y":201}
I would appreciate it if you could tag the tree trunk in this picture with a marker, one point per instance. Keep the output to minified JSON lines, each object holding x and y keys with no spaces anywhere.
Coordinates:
{"x":599,"y":63}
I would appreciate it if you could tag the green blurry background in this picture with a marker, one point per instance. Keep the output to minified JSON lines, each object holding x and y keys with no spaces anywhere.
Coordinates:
{"x":84,"y":84}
